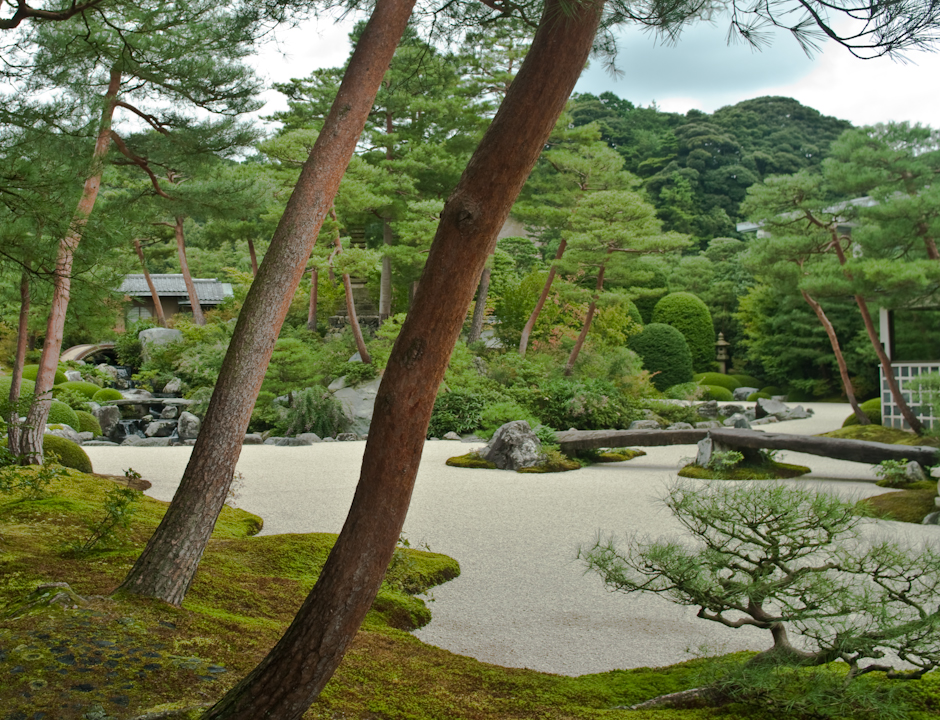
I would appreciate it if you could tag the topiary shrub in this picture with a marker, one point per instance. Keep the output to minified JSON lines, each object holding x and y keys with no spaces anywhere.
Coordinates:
{"x":634,"y":312}
{"x":716,"y":392}
{"x":105,"y":394}
{"x":88,"y":423}
{"x":26,"y":387}
{"x":664,"y":352}
{"x":755,"y":396}
{"x":719,"y":379}
{"x":748,"y":381}
{"x":61,"y":413}
{"x":685,"y":391}
{"x":872,"y":408}
{"x":772,"y":390}
{"x":68,"y":453}
{"x":31,"y":371}
{"x":88,"y":389}
{"x":690,"y":316}
{"x":588,"y":404}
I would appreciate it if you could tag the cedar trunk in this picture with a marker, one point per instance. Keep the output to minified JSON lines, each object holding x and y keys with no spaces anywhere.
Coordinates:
{"x":840,"y":359}
{"x":479,"y":310}
{"x":16,"y":381}
{"x":154,"y":295}
{"x":31,"y":439}
{"x":198,"y":317}
{"x":167,"y":565}
{"x":530,"y":324}
{"x":295,"y":671}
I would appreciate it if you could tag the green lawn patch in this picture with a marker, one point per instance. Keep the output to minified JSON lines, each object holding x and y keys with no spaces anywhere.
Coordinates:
{"x":768,"y":471}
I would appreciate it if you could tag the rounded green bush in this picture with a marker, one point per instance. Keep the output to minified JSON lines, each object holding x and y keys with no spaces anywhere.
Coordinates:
{"x":61,"y":413}
{"x":634,"y":312}
{"x":872,"y":408}
{"x":690,"y":316}
{"x":754,"y":396}
{"x":88,"y":423}
{"x":27,"y":387}
{"x":716,"y":392}
{"x":88,"y":389}
{"x":772,"y":390}
{"x":69,"y":454}
{"x":748,"y":381}
{"x":719,"y":379}
{"x":665,"y":354}
{"x":105,"y":394}
{"x":31,"y":371}
{"x":685,"y":391}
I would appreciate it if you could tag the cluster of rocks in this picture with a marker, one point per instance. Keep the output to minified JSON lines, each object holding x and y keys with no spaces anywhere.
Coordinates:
{"x":764,"y":412}
{"x":140,"y":418}
{"x":934,"y":517}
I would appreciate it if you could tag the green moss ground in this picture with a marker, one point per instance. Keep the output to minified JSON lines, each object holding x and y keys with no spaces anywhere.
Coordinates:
{"x":880,"y":433}
{"x":770,"y":471}
{"x":122,"y":657}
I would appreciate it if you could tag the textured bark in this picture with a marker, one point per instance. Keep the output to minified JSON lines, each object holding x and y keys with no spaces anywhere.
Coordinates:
{"x":840,"y":359}
{"x":479,"y":310}
{"x":312,"y":308}
{"x":167,"y":565}
{"x":31,"y":439}
{"x":350,"y":301}
{"x":198,"y":317}
{"x":582,"y":336}
{"x":295,"y":671}
{"x":385,"y":281}
{"x":254,"y":258}
{"x":154,"y":295}
{"x":530,"y":324}
{"x":16,"y":379}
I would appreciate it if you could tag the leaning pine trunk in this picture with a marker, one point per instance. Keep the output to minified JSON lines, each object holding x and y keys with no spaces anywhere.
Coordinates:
{"x":254,"y":258}
{"x":198,"y":317}
{"x":167,"y":565}
{"x":16,"y":381}
{"x":840,"y":359}
{"x":351,"y":302}
{"x":530,"y":323}
{"x":582,"y":336}
{"x":479,"y":310}
{"x":288,"y":680}
{"x":154,"y":295}
{"x":312,"y":308}
{"x":31,"y":439}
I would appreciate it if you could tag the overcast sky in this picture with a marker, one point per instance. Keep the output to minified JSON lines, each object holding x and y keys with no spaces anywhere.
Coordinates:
{"x":700,"y":71}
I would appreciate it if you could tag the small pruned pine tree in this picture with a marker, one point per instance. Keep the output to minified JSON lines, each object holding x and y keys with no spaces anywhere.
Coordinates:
{"x":785,"y":559}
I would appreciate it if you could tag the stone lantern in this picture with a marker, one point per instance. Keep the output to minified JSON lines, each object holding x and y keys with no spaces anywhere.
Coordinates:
{"x":721,"y":353}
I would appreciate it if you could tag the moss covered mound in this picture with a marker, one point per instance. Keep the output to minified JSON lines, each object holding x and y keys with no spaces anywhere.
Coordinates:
{"x":690,"y":316}
{"x":470,"y":460}
{"x":748,"y":381}
{"x":716,"y":392}
{"x":768,"y":471}
{"x":87,"y":389}
{"x":665,"y":354}
{"x":871,"y":408}
{"x":27,"y":387}
{"x":882,"y":434}
{"x":719,"y":379}
{"x":910,"y":505}
{"x":88,"y":423}
{"x":105,"y":394}
{"x":67,"y":453}
{"x":30,"y":372}
{"x":62,"y":414}
{"x":618,"y":455}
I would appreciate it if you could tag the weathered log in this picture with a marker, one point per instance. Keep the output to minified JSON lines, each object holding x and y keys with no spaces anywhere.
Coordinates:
{"x":835,"y":448}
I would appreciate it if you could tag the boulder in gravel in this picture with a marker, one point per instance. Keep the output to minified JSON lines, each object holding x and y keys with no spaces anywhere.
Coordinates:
{"x":729,"y":410}
{"x":644,"y":425}
{"x":152,"y":442}
{"x":932,"y":519}
{"x":285,"y":442}
{"x":513,"y":446}
{"x":451,"y":436}
{"x":738,"y":420}
{"x":707,"y":409}
{"x":797,"y":413}
{"x":680,"y":426}
{"x":253,"y":439}
{"x":347,"y":437}
{"x":188,"y":426}
{"x":765,"y":407}
{"x":707,"y":424}
{"x":64,"y":431}
{"x":108,"y":417}
{"x":310,"y":438}
{"x":742,"y":393}
{"x":358,"y":404}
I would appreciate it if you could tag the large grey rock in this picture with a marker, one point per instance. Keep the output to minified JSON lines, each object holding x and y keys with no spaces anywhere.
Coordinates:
{"x":706,"y":447}
{"x":644,"y":425}
{"x":797,"y":413}
{"x":285,"y":442}
{"x":169,"y":412}
{"x":188,"y":426}
{"x":513,"y":446}
{"x":108,"y":417}
{"x":729,"y":410}
{"x":132,"y":440}
{"x":100,"y":443}
{"x":152,"y":442}
{"x":73,"y":375}
{"x":913,"y":472}
{"x":738,"y":420}
{"x":932,"y":519}
{"x":680,"y":426}
{"x":765,"y":407}
{"x":935,"y":473}
{"x":136,"y":411}
{"x":64,"y":431}
{"x":310,"y":438}
{"x":252,"y":439}
{"x":160,"y":428}
{"x":708,"y":409}
{"x":174,"y":387}
{"x":110,"y":370}
{"x":742,"y":393}
{"x":338,"y":384}
{"x":347,"y":437}
{"x":769,"y":420}
{"x":707,"y":424}
{"x":451,"y":436}
{"x":359,"y":404}
{"x":152,"y":337}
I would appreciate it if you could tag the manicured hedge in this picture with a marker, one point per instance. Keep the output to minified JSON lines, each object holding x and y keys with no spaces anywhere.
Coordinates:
{"x":105,"y":394}
{"x":664,"y":352}
{"x":748,"y":381}
{"x":872,"y":408}
{"x":26,"y":387}
{"x":719,"y":379}
{"x":88,"y":423}
{"x":60,"y":413}
{"x":70,"y":455}
{"x":690,"y":316}
{"x":31,"y":371}
{"x":716,"y":392}
{"x":755,"y":396}
{"x":88,"y":389}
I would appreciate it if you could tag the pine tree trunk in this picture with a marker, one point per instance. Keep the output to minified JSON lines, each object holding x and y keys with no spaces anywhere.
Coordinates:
{"x":154,"y":295}
{"x":254,"y":258}
{"x":582,"y":336}
{"x":19,"y":360}
{"x":840,"y":359}
{"x":31,"y":439}
{"x":312,"y":309}
{"x":912,"y":420}
{"x":530,"y":324}
{"x":385,"y":281}
{"x":287,"y":681}
{"x":167,"y":565}
{"x":198,"y":317}
{"x":479,"y":310}
{"x":351,"y":301}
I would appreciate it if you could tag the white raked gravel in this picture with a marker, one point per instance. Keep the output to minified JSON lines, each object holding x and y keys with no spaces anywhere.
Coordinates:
{"x":522,"y":600}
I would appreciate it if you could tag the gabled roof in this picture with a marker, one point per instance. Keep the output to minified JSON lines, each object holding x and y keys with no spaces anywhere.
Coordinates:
{"x":209,"y":290}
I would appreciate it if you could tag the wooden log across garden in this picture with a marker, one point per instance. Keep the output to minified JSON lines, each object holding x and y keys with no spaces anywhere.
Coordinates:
{"x":835,"y":448}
